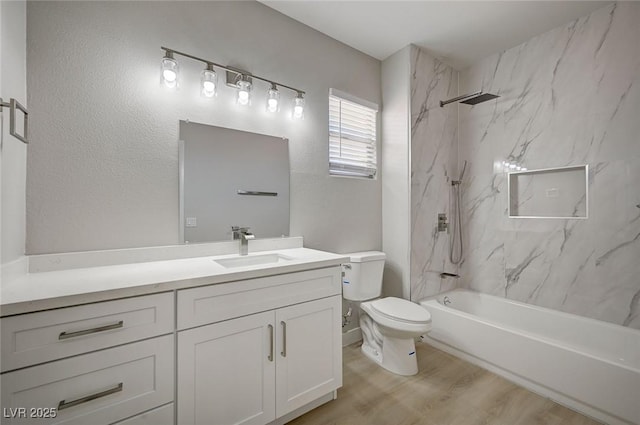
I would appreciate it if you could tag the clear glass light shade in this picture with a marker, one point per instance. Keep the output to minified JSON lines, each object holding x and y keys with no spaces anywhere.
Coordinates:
{"x":273,"y":100}
{"x":169,"y":74}
{"x":244,"y":92}
{"x":298,"y":107}
{"x":209,"y":83}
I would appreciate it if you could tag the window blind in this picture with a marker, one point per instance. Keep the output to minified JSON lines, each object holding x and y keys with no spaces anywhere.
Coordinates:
{"x":352,"y":136}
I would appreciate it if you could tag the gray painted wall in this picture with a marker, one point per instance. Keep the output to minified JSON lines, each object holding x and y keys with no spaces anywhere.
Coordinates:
{"x":13,"y":153}
{"x":103,"y":164}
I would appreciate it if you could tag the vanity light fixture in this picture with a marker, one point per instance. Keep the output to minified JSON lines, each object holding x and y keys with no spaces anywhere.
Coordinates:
{"x":273,"y":99}
{"x":298,"y":106}
{"x":241,"y":80}
{"x":209,"y":81}
{"x":169,"y":68}
{"x":244,"y":90}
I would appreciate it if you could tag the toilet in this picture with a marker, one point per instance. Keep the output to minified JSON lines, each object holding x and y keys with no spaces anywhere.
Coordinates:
{"x":389,"y":325}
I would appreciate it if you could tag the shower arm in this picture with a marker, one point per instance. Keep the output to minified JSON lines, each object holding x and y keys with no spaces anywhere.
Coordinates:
{"x":455,"y":99}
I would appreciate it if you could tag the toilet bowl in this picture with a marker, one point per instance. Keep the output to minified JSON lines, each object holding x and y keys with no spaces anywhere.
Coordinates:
{"x":389,"y":325}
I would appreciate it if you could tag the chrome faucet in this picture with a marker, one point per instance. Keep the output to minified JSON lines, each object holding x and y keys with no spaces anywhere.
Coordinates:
{"x":244,"y":235}
{"x":446,"y":300}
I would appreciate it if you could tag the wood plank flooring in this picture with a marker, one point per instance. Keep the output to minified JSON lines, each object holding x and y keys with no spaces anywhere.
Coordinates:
{"x":446,"y":391}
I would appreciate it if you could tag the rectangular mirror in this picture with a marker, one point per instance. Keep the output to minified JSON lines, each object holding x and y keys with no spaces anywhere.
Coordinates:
{"x":232,"y":178}
{"x":549,"y":193}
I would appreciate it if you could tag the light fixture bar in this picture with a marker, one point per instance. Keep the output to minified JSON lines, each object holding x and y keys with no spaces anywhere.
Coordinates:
{"x":229,"y":69}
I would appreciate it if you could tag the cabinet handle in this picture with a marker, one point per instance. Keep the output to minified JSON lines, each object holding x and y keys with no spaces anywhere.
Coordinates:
{"x":67,"y":335}
{"x":66,"y":404}
{"x":283,"y":353}
{"x":270,"y":356}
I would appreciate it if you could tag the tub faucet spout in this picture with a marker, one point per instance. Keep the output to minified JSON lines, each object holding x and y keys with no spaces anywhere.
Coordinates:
{"x":446,"y":300}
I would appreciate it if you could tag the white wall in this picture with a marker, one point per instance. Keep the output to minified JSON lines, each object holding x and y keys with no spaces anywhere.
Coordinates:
{"x":396,"y":238}
{"x":13,"y":153}
{"x":103,"y":164}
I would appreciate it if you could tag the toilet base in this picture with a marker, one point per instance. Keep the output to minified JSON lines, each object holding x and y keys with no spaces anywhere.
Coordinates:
{"x":398,"y":355}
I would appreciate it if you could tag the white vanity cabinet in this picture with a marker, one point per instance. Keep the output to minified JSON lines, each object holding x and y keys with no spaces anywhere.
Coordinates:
{"x":261,"y":366}
{"x":223,"y":347}
{"x":89,"y":364}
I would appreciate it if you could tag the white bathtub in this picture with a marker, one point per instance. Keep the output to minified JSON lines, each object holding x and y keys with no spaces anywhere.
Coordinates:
{"x":585,"y":364}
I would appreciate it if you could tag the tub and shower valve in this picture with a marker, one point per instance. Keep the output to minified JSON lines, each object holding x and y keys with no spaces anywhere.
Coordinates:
{"x":442,"y":222}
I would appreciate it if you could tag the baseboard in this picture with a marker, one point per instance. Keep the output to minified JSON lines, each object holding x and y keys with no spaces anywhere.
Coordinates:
{"x":351,"y":336}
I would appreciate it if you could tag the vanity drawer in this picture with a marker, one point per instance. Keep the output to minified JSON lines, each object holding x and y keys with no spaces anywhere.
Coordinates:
{"x":160,"y":416}
{"x":214,"y":303}
{"x":96,"y":388}
{"x":35,"y":338}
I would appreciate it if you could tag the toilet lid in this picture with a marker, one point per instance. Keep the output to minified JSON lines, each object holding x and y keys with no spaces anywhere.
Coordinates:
{"x":400,"y":309}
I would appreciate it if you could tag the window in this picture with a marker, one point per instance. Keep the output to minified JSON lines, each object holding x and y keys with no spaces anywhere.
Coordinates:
{"x":352,"y":136}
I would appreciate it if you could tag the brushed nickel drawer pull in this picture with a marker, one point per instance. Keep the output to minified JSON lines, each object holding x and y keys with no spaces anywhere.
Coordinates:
{"x":67,"y":335}
{"x":66,"y":404}
{"x":283,"y":353}
{"x":270,"y":356}
{"x":256,"y":193}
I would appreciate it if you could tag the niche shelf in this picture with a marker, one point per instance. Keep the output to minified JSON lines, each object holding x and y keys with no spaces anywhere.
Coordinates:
{"x":561,"y":192}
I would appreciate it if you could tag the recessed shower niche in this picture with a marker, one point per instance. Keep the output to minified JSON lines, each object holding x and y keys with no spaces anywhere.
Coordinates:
{"x":561,"y":192}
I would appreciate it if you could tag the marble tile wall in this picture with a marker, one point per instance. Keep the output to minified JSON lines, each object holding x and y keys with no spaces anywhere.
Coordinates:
{"x":567,"y":97}
{"x":433,"y":160}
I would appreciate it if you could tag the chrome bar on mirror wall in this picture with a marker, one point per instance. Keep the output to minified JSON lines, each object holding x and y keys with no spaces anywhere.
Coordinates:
{"x":256,"y":193}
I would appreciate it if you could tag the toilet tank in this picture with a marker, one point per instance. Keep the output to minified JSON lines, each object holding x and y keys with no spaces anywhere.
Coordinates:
{"x":363,"y":276}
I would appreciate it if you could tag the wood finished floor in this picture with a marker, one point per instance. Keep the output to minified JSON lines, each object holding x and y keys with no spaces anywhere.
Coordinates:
{"x":446,"y":391}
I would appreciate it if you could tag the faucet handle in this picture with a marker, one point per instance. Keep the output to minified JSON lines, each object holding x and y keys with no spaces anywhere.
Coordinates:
{"x":241,"y":232}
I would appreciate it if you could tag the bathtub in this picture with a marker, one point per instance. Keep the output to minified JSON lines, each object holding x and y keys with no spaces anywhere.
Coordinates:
{"x":587,"y":365}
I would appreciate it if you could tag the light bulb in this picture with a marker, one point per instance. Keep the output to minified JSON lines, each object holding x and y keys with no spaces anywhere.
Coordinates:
{"x":244,"y":91}
{"x":169,"y":67}
{"x":209,"y":81}
{"x":273,"y":97}
{"x":169,"y":75}
{"x":512,"y":166}
{"x":298,"y":107}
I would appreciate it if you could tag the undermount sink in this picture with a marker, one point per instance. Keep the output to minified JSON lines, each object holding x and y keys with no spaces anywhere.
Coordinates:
{"x":252,"y":260}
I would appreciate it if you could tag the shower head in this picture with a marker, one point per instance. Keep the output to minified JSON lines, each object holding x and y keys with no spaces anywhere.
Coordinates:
{"x":470,"y":99}
{"x":479,"y":99}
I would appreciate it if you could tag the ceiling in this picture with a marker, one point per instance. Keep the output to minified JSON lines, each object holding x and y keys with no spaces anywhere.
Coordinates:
{"x":457,"y":32}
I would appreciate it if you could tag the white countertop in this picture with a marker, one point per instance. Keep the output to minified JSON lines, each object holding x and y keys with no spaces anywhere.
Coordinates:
{"x":61,"y":288}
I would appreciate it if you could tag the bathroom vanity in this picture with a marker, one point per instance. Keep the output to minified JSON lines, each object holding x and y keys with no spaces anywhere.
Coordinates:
{"x":206,"y":340}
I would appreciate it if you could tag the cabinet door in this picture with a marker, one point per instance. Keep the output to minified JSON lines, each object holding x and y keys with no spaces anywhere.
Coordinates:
{"x":309,"y":352}
{"x":226,"y":372}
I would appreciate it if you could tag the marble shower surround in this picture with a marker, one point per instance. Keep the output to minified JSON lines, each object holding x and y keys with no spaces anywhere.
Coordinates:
{"x":570,"y":96}
{"x":434,"y":146}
